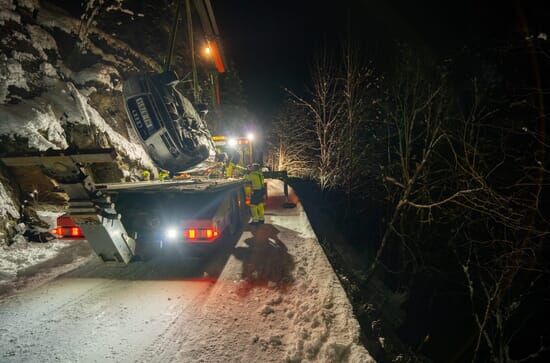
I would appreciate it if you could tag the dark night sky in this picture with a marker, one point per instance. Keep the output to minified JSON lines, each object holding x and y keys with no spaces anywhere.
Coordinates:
{"x":273,"y":42}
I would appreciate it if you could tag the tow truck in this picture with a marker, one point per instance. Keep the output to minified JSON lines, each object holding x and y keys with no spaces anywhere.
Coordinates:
{"x":120,"y":220}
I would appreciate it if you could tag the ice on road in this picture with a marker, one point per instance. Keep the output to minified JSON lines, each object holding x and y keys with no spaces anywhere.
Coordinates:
{"x":270,"y":296}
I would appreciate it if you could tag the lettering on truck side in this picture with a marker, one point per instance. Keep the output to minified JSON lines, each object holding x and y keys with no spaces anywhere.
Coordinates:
{"x":137,"y":119}
{"x":144,"y":113}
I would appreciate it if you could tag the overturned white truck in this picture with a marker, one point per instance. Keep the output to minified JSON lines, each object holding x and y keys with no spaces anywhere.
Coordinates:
{"x":170,"y":128}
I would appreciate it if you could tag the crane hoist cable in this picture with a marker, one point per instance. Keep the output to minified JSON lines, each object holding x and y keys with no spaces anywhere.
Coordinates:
{"x":173,"y":36}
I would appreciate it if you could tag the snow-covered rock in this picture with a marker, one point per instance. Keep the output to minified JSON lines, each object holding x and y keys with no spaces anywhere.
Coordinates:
{"x":40,"y":104}
{"x":34,"y":121}
{"x":99,"y":74}
{"x":42,"y":40}
{"x":7,"y":205}
{"x":11,"y":75}
{"x":30,"y":5}
{"x":7,"y":12}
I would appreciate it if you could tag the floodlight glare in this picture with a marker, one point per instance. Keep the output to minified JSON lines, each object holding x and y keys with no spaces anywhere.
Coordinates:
{"x":171,"y":233}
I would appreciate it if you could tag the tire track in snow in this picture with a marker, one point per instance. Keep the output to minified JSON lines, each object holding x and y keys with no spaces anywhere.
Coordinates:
{"x":162,"y":348}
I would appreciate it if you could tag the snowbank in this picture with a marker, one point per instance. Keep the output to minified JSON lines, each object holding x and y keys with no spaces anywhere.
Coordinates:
{"x":24,"y":264}
{"x":21,"y":255}
{"x":322,"y":326}
{"x":7,"y":207}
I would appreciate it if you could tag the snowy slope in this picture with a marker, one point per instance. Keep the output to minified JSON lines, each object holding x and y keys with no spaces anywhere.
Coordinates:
{"x":59,"y":90}
{"x":41,"y":96}
{"x":7,"y":206}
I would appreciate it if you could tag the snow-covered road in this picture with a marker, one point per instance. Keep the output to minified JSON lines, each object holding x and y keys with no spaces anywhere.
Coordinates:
{"x":271,"y":297}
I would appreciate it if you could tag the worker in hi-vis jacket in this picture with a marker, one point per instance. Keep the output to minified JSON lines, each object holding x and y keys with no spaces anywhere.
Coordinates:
{"x":256,"y":178}
{"x":232,"y":168}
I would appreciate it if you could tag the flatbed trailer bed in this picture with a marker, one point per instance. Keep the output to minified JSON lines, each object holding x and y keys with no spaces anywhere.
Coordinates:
{"x":192,"y":185}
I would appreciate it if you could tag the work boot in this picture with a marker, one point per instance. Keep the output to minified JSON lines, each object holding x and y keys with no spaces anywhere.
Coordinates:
{"x":253,"y":223}
{"x":261,"y":221}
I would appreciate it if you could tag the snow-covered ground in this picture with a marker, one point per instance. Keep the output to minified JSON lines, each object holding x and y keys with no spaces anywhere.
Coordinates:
{"x":23,"y":262}
{"x":273,"y":297}
{"x":21,"y":255}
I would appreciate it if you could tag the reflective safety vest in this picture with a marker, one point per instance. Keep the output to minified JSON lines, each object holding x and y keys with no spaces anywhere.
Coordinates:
{"x":256,"y":178}
{"x":229,"y":169}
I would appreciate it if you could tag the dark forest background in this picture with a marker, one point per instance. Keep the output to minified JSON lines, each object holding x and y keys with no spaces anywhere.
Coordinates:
{"x":431,"y":162}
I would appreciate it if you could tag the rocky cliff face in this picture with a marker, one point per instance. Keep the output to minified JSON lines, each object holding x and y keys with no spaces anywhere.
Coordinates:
{"x":60,"y":87}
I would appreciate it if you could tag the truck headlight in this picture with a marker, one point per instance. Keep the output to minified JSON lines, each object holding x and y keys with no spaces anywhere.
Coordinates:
{"x":171,"y":233}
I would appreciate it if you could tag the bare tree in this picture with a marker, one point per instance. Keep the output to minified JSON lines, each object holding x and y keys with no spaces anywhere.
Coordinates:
{"x":92,"y":9}
{"x":415,"y":111}
{"x":459,"y":175}
{"x":503,"y":229}
{"x":292,"y":142}
{"x":358,"y":93}
{"x":458,"y":179}
{"x":326,"y":110}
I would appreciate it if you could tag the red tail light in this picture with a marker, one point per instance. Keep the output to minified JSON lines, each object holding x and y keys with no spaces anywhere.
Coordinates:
{"x":68,"y":232}
{"x":67,"y":229}
{"x":202,"y":234}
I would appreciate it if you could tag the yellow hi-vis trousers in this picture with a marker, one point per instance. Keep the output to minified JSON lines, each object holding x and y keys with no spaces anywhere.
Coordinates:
{"x":257,"y":211}
{"x":257,"y":205}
